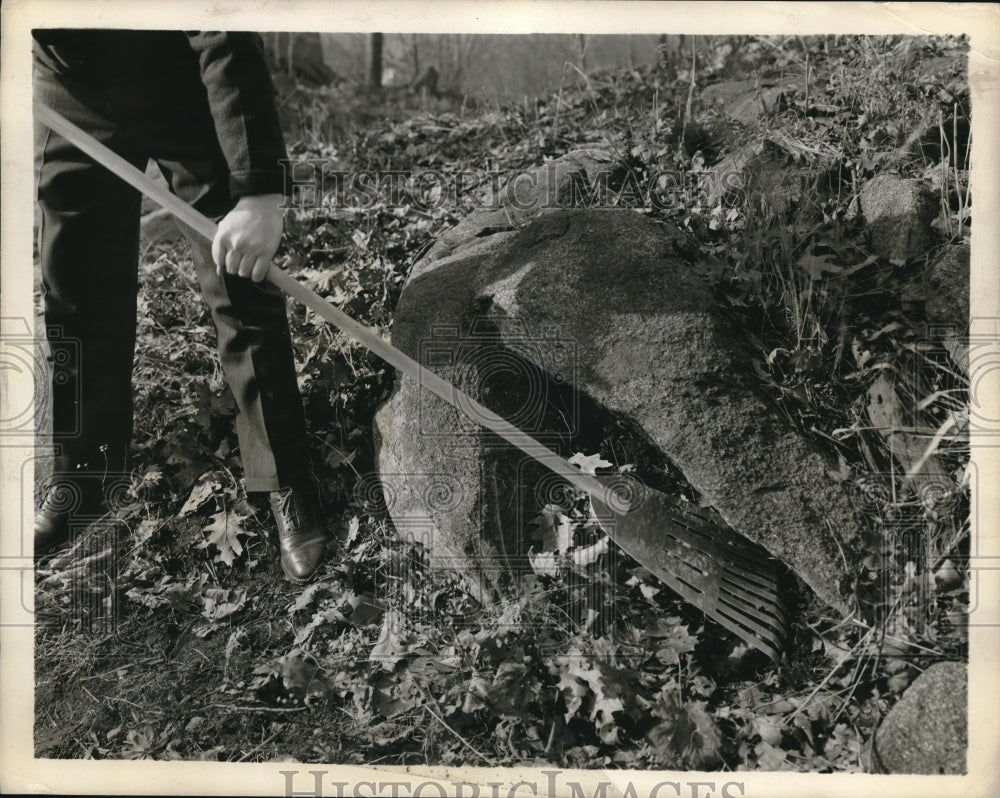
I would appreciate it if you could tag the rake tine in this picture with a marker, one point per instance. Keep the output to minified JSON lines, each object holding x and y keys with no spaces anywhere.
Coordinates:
{"x":761,"y":639}
{"x":771,"y":616}
{"x":765,"y":631}
{"x":750,"y":581}
{"x":758,"y":632}
{"x":740,"y":599}
{"x":753,"y":597}
{"x":749,"y":557}
{"x":733,"y":581}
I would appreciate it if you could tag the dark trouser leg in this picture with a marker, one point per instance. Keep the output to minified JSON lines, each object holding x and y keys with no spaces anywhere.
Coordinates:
{"x":255,"y":349}
{"x":88,"y":246}
{"x":251,"y":318}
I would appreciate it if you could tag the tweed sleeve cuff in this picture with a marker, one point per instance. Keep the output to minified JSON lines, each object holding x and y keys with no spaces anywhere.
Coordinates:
{"x":257,"y":181}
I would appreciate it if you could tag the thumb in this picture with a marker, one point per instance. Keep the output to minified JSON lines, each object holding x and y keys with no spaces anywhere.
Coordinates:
{"x":219,"y":252}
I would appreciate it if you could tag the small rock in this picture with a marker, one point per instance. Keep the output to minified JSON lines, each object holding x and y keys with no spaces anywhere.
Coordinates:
{"x":756,"y":171}
{"x":743,"y":100}
{"x":946,"y":299}
{"x":927,"y":731}
{"x":578,"y":179}
{"x":946,"y":287}
{"x":898,"y":213}
{"x":893,"y":413}
{"x":158,"y":227}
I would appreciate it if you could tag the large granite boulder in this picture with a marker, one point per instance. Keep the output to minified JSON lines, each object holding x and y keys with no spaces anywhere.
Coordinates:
{"x":927,"y":731}
{"x":574,"y":314}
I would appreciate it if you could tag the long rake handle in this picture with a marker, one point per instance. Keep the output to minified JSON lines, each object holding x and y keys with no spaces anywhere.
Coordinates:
{"x":364,"y":335}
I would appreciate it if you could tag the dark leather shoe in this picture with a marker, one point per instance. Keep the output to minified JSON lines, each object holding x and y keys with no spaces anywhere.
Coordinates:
{"x":67,"y":503}
{"x":302,"y":534}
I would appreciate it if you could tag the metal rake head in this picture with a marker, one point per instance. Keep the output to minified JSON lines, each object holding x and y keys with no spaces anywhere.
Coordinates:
{"x":730,"y":579}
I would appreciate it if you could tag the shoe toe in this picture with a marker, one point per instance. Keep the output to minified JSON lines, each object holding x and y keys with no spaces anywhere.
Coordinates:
{"x":303,"y":536}
{"x":300,"y":562}
{"x":49,"y":534}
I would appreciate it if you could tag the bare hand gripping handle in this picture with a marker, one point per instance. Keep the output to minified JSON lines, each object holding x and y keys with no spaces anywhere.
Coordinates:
{"x":364,"y":335}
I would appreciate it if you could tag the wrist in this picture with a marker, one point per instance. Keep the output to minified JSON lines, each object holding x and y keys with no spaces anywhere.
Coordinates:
{"x":260,"y":201}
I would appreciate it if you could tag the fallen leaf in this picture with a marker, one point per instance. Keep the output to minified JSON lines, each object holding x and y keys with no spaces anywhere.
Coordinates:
{"x":703,"y":750}
{"x":320,"y":618}
{"x":506,"y":693}
{"x":391,"y":697}
{"x":589,"y":464}
{"x":816,"y":265}
{"x":337,"y":457}
{"x":219,"y":603}
{"x":352,"y":530}
{"x":574,"y":690}
{"x":389,"y":648}
{"x":234,"y":641}
{"x":557,"y":529}
{"x":308,"y":596}
{"x":544,"y":563}
{"x":147,"y":527}
{"x":897,"y":683}
{"x":166,"y":592}
{"x":578,"y":679}
{"x":603,"y":717}
{"x":672,"y":638}
{"x":475,"y":694}
{"x":770,"y":757}
{"x":200,"y":495}
{"x":648,"y":591}
{"x":588,"y":555}
{"x":866,"y":262}
{"x":349,"y":608}
{"x":223,"y":533}
{"x":299,"y":675}
{"x":769,"y":729}
{"x":363,"y":610}
{"x":948,"y":576}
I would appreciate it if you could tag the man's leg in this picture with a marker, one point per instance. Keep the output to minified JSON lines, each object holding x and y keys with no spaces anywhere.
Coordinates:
{"x":251,"y":318}
{"x":255,"y":349}
{"x":88,"y":245}
{"x":254,"y":343}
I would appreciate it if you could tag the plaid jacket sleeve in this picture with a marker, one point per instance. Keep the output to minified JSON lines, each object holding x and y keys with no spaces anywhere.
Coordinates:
{"x":241,"y":97}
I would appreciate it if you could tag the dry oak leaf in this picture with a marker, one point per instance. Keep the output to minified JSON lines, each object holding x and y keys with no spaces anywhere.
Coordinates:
{"x":223,"y":533}
{"x":589,"y":464}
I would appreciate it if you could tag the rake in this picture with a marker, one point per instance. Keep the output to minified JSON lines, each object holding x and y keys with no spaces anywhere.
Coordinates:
{"x":730,"y":579}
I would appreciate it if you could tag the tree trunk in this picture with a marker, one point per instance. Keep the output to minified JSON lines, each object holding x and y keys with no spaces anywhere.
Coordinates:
{"x":298,"y":57}
{"x":415,"y":55}
{"x":581,"y":50}
{"x":375,"y":61}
